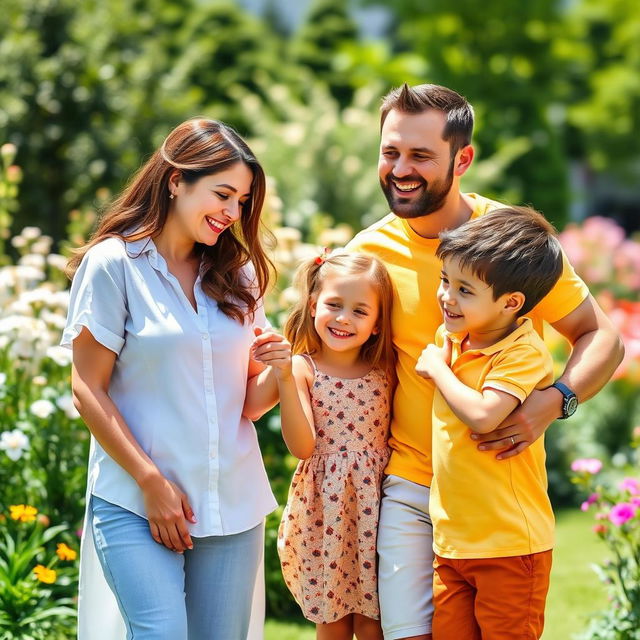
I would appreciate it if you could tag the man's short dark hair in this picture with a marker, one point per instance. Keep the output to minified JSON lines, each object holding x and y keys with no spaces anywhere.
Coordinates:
{"x":422,"y":97}
{"x":511,"y":249}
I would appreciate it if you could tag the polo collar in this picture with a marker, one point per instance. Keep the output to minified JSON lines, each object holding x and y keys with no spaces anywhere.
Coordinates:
{"x":525,"y":325}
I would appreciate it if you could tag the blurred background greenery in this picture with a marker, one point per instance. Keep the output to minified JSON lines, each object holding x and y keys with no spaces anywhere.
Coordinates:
{"x":89,"y":88}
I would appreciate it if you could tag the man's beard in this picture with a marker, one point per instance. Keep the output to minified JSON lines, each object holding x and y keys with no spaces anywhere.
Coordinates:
{"x":433,"y":195}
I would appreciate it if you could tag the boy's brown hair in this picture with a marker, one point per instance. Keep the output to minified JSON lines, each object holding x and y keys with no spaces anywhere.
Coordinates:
{"x":511,"y":249}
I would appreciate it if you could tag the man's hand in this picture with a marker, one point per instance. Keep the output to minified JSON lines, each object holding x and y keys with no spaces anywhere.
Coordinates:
{"x":433,"y":357}
{"x":524,"y":426}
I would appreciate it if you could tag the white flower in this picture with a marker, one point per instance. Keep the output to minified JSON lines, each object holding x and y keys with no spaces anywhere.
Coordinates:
{"x":60,"y":355}
{"x":32,"y":260}
{"x":42,"y":408}
{"x":31,"y":233}
{"x":54,"y":320}
{"x":26,"y":273}
{"x":42,"y":245}
{"x":57,"y":261}
{"x":14,"y":443}
{"x":39,"y":381}
{"x":66,"y":404}
{"x":19,"y":242}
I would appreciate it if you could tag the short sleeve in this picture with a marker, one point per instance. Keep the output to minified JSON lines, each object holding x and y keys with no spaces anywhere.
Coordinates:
{"x":518,"y":370}
{"x":97,"y":300}
{"x":568,"y":293}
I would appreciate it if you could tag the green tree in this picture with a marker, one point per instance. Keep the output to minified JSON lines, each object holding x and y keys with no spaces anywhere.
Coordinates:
{"x":327,"y":28}
{"x":602,"y":47}
{"x":88,"y":89}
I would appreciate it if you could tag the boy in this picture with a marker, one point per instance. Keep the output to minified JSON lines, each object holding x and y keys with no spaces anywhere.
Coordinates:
{"x":493,"y":522}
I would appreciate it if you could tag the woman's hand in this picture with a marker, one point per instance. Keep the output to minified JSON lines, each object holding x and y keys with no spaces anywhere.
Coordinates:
{"x":272,"y":349}
{"x":168,"y":511}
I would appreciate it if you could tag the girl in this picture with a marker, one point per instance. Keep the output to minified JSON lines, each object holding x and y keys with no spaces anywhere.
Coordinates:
{"x":334,"y":397}
{"x":163,"y":304}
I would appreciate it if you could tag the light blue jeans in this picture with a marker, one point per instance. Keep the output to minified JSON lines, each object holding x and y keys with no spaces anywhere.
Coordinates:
{"x":203,"y":594}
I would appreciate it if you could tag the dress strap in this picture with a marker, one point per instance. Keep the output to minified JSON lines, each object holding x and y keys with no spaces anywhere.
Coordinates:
{"x":306,"y":356}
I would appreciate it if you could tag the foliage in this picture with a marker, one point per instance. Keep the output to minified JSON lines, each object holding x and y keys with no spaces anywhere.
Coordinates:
{"x":94,"y":86}
{"x":616,"y":500}
{"x":604,"y":92}
{"x":36,"y":590}
{"x":46,"y":452}
{"x":326,"y":29}
{"x":608,"y":263}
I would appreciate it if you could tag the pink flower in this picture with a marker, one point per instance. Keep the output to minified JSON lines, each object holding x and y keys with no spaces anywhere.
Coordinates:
{"x":621,"y":513}
{"x":635,"y":501}
{"x":586,"y":465}
{"x":600,"y":529}
{"x":632,"y":485}
{"x":589,"y":501}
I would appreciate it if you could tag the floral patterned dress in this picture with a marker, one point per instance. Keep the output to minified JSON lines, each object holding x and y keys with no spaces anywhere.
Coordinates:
{"x":327,"y":537}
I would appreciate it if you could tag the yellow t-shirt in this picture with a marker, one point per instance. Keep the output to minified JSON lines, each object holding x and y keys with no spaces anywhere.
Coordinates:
{"x":482,"y":507}
{"x":415,"y":272}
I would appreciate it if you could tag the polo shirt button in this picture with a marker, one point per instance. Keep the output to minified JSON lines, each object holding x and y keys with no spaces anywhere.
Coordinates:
{"x":205,"y":336}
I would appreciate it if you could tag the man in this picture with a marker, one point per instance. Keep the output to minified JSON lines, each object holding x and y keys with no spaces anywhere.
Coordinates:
{"x":424,"y":152}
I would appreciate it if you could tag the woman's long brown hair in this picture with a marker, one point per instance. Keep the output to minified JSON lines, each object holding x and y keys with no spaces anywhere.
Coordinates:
{"x":198,"y":147}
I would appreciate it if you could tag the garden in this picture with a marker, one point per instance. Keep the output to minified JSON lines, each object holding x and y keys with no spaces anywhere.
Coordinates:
{"x":87,"y":90}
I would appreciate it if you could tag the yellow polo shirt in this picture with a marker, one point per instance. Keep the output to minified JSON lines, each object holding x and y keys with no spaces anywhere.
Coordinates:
{"x":415,"y":272}
{"x":482,"y":507}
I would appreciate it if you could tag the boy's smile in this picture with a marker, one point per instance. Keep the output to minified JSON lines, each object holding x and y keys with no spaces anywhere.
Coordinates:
{"x":468,"y":305}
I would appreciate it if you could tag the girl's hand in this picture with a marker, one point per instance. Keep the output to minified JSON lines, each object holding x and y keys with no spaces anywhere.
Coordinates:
{"x":433,"y":357}
{"x":273,"y":350}
{"x":168,"y":511}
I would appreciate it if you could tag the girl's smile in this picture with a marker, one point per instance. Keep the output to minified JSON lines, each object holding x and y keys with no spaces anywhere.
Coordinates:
{"x":345,"y":313}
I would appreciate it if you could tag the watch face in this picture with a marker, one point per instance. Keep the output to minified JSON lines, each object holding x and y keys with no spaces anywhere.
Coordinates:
{"x":571,"y":406}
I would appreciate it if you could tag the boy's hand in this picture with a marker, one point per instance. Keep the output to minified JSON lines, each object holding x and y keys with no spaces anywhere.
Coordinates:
{"x":433,"y":357}
{"x":273,"y":350}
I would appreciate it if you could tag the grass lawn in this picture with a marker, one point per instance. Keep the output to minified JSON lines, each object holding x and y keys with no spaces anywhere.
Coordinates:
{"x":575,"y":590}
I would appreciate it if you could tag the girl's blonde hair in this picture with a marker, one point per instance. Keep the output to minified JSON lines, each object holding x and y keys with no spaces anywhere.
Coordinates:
{"x":299,"y":328}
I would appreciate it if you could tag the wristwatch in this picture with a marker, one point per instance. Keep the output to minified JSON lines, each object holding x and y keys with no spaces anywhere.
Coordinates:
{"x":569,"y":400}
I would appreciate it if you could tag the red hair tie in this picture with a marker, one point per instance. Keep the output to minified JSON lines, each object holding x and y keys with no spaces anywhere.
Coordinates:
{"x":323,"y":256}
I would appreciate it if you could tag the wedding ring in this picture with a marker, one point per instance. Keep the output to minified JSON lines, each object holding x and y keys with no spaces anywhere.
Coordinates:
{"x":513,"y":441}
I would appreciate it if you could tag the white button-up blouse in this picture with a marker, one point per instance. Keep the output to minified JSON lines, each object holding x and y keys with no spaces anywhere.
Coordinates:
{"x":179,"y":381}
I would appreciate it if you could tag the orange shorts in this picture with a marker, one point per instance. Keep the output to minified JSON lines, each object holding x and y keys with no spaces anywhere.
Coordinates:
{"x":490,"y":598}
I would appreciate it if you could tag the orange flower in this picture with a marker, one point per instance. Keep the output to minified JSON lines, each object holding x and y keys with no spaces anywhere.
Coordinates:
{"x":65,"y":553}
{"x":45,"y":575}
{"x":23,"y":512}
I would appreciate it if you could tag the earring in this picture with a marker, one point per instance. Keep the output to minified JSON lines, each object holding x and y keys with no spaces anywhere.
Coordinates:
{"x":171,"y":196}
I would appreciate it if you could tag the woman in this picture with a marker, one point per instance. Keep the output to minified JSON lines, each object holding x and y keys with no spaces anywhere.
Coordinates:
{"x":163,"y":306}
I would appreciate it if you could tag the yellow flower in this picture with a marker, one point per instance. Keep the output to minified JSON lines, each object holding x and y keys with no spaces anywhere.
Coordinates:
{"x":65,"y":553}
{"x":45,"y":575}
{"x":23,"y":512}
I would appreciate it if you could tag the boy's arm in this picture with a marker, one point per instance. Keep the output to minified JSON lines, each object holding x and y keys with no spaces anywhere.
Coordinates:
{"x":596,"y":352}
{"x":482,"y":411}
